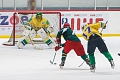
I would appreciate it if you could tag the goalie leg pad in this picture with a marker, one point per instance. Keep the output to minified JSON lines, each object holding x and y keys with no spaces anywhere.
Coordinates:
{"x":26,"y":32}
{"x":22,"y":42}
{"x":25,"y":39}
{"x":49,"y":41}
{"x":32,"y":34}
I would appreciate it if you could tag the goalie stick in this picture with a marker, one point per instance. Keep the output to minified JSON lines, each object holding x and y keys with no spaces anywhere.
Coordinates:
{"x":37,"y":48}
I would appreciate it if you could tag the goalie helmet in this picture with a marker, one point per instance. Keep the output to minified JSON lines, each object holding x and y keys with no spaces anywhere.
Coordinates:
{"x":66,"y":25}
{"x":39,"y":16}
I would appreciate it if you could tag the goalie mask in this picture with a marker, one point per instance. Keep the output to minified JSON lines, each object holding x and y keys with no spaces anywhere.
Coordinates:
{"x":66,"y":25}
{"x":39,"y":16}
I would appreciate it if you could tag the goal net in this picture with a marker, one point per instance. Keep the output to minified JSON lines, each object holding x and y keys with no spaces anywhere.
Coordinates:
{"x":53,"y":17}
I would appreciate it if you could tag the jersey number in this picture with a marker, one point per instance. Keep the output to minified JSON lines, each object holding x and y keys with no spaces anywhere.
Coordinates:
{"x":86,"y":30}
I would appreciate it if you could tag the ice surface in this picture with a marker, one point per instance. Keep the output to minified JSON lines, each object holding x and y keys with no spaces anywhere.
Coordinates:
{"x":31,"y":64}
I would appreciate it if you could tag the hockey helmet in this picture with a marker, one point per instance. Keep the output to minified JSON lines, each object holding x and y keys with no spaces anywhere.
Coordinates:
{"x":66,"y":25}
{"x":39,"y":16}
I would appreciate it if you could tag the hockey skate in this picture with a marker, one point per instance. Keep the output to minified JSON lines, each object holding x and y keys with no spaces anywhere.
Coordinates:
{"x":118,"y":54}
{"x":92,"y":68}
{"x":62,"y":64}
{"x":112,"y":64}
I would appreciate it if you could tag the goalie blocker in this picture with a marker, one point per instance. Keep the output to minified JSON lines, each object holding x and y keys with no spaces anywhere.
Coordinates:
{"x":29,"y":35}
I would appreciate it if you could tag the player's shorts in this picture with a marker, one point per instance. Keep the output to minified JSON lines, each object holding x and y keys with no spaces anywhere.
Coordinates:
{"x":96,"y":42}
{"x":76,"y":46}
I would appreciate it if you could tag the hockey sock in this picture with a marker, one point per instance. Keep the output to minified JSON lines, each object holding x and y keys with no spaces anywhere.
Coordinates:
{"x":84,"y":57}
{"x":107,"y":55}
{"x":92,"y":58}
{"x":64,"y":55}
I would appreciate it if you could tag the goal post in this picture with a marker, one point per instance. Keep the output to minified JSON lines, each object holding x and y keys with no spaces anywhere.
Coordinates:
{"x":53,"y":17}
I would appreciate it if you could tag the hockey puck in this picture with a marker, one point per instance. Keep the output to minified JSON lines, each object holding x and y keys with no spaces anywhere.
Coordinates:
{"x":55,"y":63}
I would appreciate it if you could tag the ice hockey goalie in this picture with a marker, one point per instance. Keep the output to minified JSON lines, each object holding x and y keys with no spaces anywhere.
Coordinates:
{"x":37,"y":26}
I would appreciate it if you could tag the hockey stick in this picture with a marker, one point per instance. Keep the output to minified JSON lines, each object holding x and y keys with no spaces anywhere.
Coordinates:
{"x":37,"y":48}
{"x":103,"y":28}
{"x":81,"y":64}
{"x":52,"y":61}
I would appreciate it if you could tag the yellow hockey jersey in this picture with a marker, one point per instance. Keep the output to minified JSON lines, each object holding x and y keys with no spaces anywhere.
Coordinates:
{"x":90,"y":29}
{"x":36,"y":25}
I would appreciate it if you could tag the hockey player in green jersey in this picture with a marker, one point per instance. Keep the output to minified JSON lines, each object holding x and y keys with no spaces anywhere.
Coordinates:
{"x":72,"y":42}
{"x":93,"y":36}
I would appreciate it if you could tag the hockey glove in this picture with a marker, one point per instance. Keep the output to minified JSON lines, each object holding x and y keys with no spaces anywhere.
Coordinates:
{"x":58,"y":40}
{"x":27,"y":26}
{"x":101,"y":34}
{"x":57,"y":48}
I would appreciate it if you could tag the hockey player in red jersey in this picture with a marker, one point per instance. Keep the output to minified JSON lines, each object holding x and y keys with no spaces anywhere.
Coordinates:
{"x":72,"y":42}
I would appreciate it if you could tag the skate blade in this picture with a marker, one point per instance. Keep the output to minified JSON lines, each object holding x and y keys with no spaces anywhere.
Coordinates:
{"x":112,"y":67}
{"x":93,"y":70}
{"x":61,"y":67}
{"x":37,"y":48}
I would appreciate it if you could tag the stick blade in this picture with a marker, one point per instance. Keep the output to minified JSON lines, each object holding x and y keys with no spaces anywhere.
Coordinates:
{"x":81,"y":64}
{"x":52,"y":63}
{"x":38,"y":48}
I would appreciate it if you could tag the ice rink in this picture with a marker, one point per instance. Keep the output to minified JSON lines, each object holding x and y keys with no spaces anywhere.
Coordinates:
{"x":31,"y":64}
